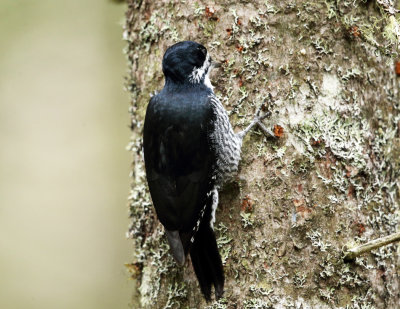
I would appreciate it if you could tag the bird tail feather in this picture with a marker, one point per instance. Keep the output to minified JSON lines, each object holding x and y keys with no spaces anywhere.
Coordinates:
{"x":207,"y":262}
{"x":176,"y":247}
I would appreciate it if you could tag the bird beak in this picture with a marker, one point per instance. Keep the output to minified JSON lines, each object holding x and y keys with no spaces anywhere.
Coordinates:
{"x":215,"y":64}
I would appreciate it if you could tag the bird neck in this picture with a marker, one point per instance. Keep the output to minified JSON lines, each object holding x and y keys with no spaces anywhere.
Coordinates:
{"x":187,"y":85}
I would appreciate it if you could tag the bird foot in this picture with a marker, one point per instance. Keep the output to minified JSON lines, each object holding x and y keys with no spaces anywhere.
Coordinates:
{"x":257,"y":120}
{"x":268,"y":132}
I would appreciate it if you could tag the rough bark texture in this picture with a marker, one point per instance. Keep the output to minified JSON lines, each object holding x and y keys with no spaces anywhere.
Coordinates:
{"x":326,"y":71}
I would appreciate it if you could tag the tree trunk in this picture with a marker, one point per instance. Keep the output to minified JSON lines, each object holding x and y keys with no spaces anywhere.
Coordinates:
{"x":325,"y":69}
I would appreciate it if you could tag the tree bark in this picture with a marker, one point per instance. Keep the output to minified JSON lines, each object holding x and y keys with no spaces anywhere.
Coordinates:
{"x":326,"y":71}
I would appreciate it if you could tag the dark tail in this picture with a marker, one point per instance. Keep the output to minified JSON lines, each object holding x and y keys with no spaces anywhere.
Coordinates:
{"x":175,"y":245}
{"x":207,"y":262}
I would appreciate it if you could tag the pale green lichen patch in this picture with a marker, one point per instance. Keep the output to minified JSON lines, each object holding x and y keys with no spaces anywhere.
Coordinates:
{"x":223,"y":241}
{"x":345,"y":138}
{"x":331,"y":89}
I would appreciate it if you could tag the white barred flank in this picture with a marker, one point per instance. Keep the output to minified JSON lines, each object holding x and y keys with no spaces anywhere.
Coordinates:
{"x":227,"y":144}
{"x":196,"y":227}
{"x":214,"y":206}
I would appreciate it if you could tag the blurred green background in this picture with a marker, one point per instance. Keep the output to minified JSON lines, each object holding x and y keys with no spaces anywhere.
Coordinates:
{"x":63,"y":164}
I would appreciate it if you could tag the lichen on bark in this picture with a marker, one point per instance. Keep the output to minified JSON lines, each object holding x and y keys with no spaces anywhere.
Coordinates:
{"x":325,"y":69}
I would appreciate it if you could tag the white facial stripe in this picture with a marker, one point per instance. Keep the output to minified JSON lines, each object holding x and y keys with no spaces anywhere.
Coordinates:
{"x":207,"y":81}
{"x":198,"y":73}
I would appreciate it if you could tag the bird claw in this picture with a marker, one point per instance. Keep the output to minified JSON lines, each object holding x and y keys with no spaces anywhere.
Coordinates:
{"x":265,"y":130}
{"x":266,"y":115}
{"x":258,"y":120}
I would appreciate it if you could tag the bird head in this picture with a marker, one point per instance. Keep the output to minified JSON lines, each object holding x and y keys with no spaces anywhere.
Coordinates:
{"x":187,"y":62}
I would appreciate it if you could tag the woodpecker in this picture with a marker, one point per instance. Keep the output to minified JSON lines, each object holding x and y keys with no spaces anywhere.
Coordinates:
{"x":190,"y":149}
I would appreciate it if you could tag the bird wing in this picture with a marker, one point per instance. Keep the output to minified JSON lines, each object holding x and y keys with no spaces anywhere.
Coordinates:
{"x":179,"y":159}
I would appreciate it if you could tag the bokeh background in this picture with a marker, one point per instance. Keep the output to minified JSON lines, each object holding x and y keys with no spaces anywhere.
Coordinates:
{"x":63,"y":164}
